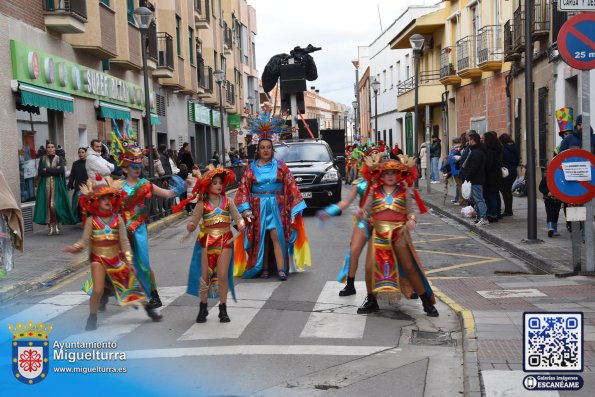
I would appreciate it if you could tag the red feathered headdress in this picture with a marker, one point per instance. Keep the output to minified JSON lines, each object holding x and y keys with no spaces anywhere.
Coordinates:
{"x":99,"y":187}
{"x":202,"y":184}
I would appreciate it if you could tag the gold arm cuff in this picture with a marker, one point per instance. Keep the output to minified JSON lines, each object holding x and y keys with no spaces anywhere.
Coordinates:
{"x":78,"y":246}
{"x":128,"y":257}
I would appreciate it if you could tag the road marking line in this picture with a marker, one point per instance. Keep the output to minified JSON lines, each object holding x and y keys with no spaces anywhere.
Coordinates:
{"x":335,"y":316}
{"x":468,"y":264}
{"x":298,"y":350}
{"x":254,"y":296}
{"x":440,"y":239}
{"x":46,"y":310}
{"x":118,"y":325}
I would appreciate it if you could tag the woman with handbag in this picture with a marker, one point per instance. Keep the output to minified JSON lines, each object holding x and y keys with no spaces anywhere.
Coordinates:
{"x":493,"y":170}
{"x":510,"y":161}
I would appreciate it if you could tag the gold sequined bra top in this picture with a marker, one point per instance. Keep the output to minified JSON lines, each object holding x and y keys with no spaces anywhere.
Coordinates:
{"x":395,"y":201}
{"x":213,"y":215}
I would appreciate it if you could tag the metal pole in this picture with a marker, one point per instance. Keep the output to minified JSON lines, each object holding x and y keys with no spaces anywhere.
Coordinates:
{"x":428,"y":151}
{"x":531,"y":172}
{"x":416,"y":111}
{"x":222,"y":155}
{"x":147,"y":104}
{"x":586,"y":105}
{"x":293,"y":101}
{"x":376,"y":116}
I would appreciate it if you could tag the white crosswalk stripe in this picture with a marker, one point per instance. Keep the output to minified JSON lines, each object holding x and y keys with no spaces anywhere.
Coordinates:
{"x":251,"y":298}
{"x":335,"y":316}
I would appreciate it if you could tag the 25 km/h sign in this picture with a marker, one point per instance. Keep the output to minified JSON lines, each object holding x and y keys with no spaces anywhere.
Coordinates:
{"x":576,"y":41}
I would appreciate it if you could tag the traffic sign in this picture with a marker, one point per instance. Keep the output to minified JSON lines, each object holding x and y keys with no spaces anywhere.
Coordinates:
{"x":576,"y":41}
{"x":576,"y":5}
{"x":561,"y":176}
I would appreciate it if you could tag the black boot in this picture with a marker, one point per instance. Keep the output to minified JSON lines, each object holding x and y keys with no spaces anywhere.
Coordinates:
{"x":223,"y":317}
{"x":155,"y":301}
{"x":428,"y":306}
{"x":370,"y":305}
{"x":349,"y":287}
{"x":104,"y":299}
{"x":414,"y":295}
{"x":153,"y":313}
{"x":202,"y":313}
{"x":91,"y":322}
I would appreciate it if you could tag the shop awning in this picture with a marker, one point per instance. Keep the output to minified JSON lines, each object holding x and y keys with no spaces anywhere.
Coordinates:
{"x":155,"y":119}
{"x":111,"y":111}
{"x":42,"y":97}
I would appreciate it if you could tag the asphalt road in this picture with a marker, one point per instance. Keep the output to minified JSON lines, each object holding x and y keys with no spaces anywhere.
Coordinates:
{"x":288,"y":338}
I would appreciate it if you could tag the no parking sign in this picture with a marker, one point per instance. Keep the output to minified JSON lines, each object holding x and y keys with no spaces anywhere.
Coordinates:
{"x":576,"y":41}
{"x":570,"y":176}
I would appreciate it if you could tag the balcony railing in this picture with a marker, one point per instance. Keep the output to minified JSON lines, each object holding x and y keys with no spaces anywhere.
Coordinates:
{"x":73,"y":7}
{"x":426,"y":77}
{"x":206,"y":78}
{"x":509,"y":53}
{"x":153,"y":50}
{"x":165,"y":48}
{"x":466,"y":53}
{"x":489,"y":47}
{"x":541,"y":19}
{"x":447,"y":67}
{"x":230,"y":97}
{"x":518,"y":30}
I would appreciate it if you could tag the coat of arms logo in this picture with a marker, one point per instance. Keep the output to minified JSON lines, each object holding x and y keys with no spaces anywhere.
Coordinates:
{"x":30,"y":351}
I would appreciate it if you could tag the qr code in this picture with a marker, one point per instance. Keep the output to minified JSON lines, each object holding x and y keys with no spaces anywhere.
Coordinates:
{"x":553,"y":341}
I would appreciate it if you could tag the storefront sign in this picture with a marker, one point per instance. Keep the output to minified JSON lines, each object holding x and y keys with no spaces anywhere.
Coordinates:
{"x":576,"y":5}
{"x":216,"y":118}
{"x":30,"y":65}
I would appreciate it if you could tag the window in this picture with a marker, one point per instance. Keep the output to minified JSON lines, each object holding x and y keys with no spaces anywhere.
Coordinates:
{"x":391,"y":77}
{"x":253,"y":54}
{"x":191,"y":45}
{"x":223,"y":63}
{"x":398,"y":72}
{"x":215,"y":60}
{"x":130,"y":10}
{"x":244,"y":47}
{"x":384,"y":79}
{"x":106,"y":2}
{"x":407,"y":66}
{"x":178,"y":38}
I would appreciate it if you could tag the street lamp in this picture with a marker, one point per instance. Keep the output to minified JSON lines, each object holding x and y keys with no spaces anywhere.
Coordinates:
{"x":251,"y":102}
{"x":144,"y":18}
{"x":220,"y":79}
{"x":354,"y":104}
{"x":376,"y":88}
{"x":417,"y":43}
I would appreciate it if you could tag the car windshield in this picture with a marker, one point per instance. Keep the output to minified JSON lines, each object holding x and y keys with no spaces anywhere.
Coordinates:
{"x":302,"y":152}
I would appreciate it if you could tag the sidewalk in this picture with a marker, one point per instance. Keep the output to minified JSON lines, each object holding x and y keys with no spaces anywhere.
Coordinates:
{"x":491,"y":308}
{"x":43,"y":263}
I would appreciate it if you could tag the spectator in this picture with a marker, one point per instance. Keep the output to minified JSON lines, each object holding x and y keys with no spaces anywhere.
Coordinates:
{"x":552,"y":208}
{"x":215,"y":158}
{"x":78,"y":176}
{"x":475,"y":172}
{"x":435,"y":152}
{"x":60,"y":152}
{"x":493,"y":180}
{"x":185,"y":157}
{"x":95,"y":163}
{"x":423,"y":161}
{"x":157,"y":166}
{"x":172,"y":156}
{"x":575,"y":140}
{"x":510,"y":160}
{"x":40,"y":152}
{"x":453,"y":161}
{"x":164,"y":158}
{"x":465,"y":151}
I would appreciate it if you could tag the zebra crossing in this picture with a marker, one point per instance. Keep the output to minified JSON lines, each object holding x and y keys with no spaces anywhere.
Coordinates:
{"x":332,"y":317}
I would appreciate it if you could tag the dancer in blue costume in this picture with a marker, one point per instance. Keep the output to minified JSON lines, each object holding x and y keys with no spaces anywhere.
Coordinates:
{"x":133,"y":210}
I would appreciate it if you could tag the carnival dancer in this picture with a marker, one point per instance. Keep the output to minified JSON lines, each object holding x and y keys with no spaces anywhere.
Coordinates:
{"x":134,"y":211}
{"x":270,"y":200}
{"x":211,"y":268}
{"x":52,"y":206}
{"x":109,"y":250}
{"x":396,"y":267}
{"x":361,"y":228}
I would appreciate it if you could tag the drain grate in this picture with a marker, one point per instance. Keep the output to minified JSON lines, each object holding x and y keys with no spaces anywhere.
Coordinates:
{"x":429,"y":338}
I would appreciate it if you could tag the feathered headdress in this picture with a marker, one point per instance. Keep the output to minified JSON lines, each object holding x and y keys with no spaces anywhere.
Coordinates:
{"x":125,"y":150}
{"x":265,"y":125}
{"x":93,"y":189}
{"x":202,"y":184}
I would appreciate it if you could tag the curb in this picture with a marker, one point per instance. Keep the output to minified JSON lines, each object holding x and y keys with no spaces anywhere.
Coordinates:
{"x":52,"y":278}
{"x":537,"y":263}
{"x":471,"y":371}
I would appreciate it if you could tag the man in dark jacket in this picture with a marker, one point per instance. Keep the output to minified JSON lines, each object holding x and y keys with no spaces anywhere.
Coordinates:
{"x":475,"y":167}
{"x":185,"y":157}
{"x":435,"y":151}
{"x":164,"y":159}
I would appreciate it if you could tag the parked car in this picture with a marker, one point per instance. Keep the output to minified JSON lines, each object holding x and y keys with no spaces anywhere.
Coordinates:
{"x":314,"y":168}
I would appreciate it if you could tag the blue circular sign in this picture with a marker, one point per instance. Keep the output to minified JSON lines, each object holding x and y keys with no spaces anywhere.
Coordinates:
{"x":576,"y":41}
{"x":571,"y":192}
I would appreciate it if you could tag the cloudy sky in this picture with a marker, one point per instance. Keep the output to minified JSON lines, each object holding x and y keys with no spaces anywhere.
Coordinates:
{"x":338,"y":26}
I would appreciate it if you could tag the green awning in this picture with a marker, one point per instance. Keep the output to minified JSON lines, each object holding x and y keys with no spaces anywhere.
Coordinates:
{"x":155,"y":119}
{"x":42,"y":97}
{"x":111,"y":111}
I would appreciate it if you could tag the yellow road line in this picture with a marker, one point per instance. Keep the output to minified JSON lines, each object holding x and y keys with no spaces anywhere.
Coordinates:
{"x":468,"y":264}
{"x":466,"y":314}
{"x":440,"y":239}
{"x":456,"y":254}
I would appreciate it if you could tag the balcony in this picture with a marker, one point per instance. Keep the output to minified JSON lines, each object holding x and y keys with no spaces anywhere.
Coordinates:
{"x":448,"y":73}
{"x":489,"y":50}
{"x":152,"y":47}
{"x":509,"y":53}
{"x":205,"y":81}
{"x":100,"y":39}
{"x":202,"y":15}
{"x":230,"y":98}
{"x":518,"y":30}
{"x":65,"y":16}
{"x":227,"y":39}
{"x":165,"y":56}
{"x":467,"y":49}
{"x":430,"y":90}
{"x":540,"y":26}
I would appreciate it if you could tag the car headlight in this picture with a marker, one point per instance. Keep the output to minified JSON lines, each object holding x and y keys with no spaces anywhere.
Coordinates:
{"x":332,"y":176}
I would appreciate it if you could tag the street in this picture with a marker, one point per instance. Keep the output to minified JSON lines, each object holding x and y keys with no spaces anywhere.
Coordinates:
{"x":285,"y":338}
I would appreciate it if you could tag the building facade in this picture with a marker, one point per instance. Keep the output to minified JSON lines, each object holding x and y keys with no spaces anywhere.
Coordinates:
{"x":72,"y":70}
